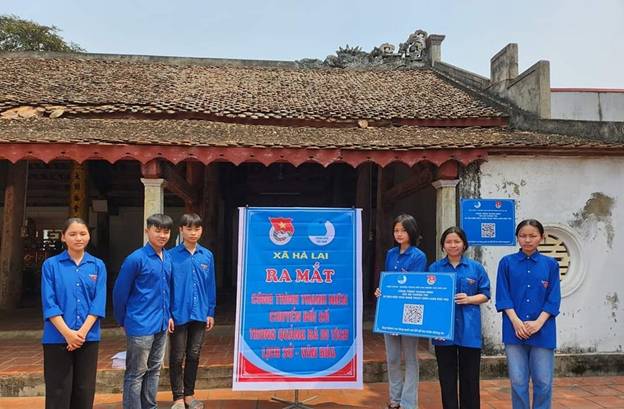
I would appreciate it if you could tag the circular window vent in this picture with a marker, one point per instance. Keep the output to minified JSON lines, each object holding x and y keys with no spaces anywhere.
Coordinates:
{"x":564,"y":245}
{"x":556,"y":248}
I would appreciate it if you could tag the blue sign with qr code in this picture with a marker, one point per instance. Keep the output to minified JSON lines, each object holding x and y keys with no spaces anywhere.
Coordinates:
{"x":489,"y":222}
{"x":416,"y":304}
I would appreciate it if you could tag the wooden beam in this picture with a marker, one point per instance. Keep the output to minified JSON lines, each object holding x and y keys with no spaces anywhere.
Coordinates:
{"x":448,"y":170}
{"x":363,"y":200}
{"x":151,"y":169}
{"x":11,"y":247}
{"x":417,"y":181}
{"x":383,"y":233}
{"x":177,"y":184}
{"x":195,"y":173}
{"x":211,"y":204}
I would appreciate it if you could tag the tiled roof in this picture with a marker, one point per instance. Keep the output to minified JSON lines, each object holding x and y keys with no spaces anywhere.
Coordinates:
{"x":215,"y":134}
{"x":116,"y":86}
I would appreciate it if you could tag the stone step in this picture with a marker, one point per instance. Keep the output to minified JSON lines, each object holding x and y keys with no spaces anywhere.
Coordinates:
{"x":220,"y":376}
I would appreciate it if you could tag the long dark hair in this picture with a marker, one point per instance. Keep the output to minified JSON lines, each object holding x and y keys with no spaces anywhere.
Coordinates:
{"x":411,"y":227}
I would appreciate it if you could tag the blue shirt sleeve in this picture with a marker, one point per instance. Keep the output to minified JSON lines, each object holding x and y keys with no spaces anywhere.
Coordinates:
{"x":98,"y":306}
{"x":484,"y":281}
{"x":503,"y":294}
{"x":212,"y":291}
{"x":553,"y":295}
{"x":123,"y":286}
{"x":420,"y":261}
{"x":48,"y":292}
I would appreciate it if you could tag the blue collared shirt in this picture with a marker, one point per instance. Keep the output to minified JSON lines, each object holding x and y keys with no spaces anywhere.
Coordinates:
{"x":141,"y":294}
{"x":412,"y":259}
{"x":73,"y":292}
{"x":470,"y":278}
{"x":529,"y":285}
{"x":192,"y":284}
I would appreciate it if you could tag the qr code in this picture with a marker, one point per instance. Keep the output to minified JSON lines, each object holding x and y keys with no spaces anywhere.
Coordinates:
{"x":413,"y":314}
{"x":488,"y":230}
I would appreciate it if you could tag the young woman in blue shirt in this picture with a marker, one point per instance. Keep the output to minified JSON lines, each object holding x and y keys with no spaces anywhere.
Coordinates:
{"x":462,"y":353}
{"x":403,"y":389}
{"x":192,"y":308}
{"x":528,"y":293}
{"x":73,"y":295}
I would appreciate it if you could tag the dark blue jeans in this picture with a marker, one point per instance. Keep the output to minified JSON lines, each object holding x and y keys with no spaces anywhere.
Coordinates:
{"x":186,"y":342}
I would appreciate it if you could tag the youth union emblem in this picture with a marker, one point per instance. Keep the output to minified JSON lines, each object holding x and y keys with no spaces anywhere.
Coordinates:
{"x":431,"y":279}
{"x":282,"y":230}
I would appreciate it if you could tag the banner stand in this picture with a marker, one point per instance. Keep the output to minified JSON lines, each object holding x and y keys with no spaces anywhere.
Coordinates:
{"x":296,"y":404}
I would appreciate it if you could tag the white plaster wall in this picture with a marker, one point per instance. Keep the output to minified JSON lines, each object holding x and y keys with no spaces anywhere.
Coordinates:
{"x":556,"y":190}
{"x":588,"y":106}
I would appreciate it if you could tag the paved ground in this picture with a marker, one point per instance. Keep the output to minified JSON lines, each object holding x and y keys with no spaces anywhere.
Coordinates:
{"x":570,"y":393}
{"x":21,"y":355}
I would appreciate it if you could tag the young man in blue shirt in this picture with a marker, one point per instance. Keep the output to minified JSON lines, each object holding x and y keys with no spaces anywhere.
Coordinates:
{"x":193,"y":305}
{"x":141,"y":299}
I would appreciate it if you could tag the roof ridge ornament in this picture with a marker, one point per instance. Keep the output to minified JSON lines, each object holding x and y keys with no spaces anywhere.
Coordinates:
{"x":411,"y":54}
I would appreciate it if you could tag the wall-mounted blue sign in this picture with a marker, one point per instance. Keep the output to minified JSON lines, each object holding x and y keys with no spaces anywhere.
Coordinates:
{"x":489,"y":222}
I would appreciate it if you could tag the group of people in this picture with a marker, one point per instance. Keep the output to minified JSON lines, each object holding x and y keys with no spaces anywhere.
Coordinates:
{"x":162,"y":291}
{"x":528,"y":295}
{"x":157,"y":292}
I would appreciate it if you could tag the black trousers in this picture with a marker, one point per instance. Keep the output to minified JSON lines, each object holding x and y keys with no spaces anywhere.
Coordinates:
{"x":465,"y":361}
{"x":186,"y":342}
{"x":70,"y":376}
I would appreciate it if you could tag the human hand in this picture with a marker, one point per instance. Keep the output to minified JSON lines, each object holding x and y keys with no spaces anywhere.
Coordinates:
{"x":377,"y":292}
{"x":463,"y":298}
{"x":74,"y":340}
{"x":533,"y":326}
{"x":209,"y":323}
{"x":170,"y":326}
{"x":521,"y":330}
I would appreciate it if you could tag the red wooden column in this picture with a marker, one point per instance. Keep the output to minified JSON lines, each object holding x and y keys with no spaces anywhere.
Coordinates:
{"x":78,"y":191}
{"x":11,"y":249}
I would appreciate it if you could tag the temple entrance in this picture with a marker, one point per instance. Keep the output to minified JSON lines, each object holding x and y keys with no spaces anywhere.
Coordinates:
{"x":114,"y":197}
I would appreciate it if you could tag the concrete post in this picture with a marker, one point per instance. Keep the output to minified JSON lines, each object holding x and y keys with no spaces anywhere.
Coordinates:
{"x":446,"y":208}
{"x":154,"y":200}
{"x":504,"y":65}
{"x":11,"y":248}
{"x":434,"y":48}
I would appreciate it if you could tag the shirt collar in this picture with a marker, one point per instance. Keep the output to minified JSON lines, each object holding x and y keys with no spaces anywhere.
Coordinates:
{"x":181,"y":248}
{"x":150,"y":250}
{"x":407,"y":252}
{"x":87,"y":258}
{"x":520,"y":255}
{"x":462,"y":260}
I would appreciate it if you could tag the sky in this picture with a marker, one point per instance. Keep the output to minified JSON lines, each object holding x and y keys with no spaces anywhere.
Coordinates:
{"x":582,"y":39}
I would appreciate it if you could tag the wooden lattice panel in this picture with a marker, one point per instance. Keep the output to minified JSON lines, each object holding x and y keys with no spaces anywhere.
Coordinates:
{"x":554,"y":247}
